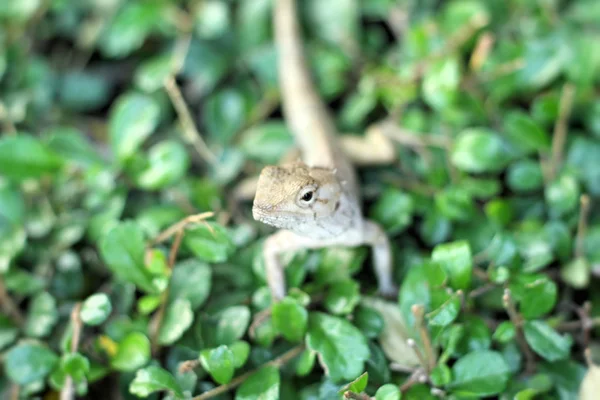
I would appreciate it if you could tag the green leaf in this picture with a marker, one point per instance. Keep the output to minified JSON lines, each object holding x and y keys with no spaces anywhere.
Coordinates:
{"x":42,"y":315}
{"x":96,"y":309}
{"x":267,"y":143}
{"x":368,"y":320}
{"x":290,"y":319}
{"x":388,"y":392}
{"x":210,"y":243}
{"x":133,"y":117}
{"x":219,"y":363}
{"x":479,"y":150}
{"x":562,"y":195}
{"x":457,"y":261}
{"x":525,"y":134}
{"x":212,"y":19}
{"x":123,"y":250}
{"x":356,"y":386}
{"x":154,"y":379}
{"x":546,"y":342}
{"x":342,"y":297}
{"x":8,"y":331}
{"x":178,"y":318}
{"x":447,"y":312}
{"x":441,"y":82}
{"x":305,"y":363}
{"x":241,"y":351}
{"x":151,"y":74}
{"x":76,"y":365}
{"x":224,"y":113}
{"x":393,"y":210}
{"x":505,"y":332}
{"x":23,"y":156}
{"x":168,"y":162}
{"x":27,"y":363}
{"x":480,"y":373}
{"x":524,"y":176}
{"x":342,"y":347}
{"x":232,"y":324}
{"x":191,"y":280}
{"x":263,"y":385}
{"x":536,"y":294}
{"x":133,"y":352}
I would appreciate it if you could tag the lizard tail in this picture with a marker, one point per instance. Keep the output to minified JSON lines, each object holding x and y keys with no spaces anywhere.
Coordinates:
{"x":304,"y":111}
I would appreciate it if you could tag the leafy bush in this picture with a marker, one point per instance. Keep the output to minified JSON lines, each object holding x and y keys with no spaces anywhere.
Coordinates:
{"x":127,"y":268}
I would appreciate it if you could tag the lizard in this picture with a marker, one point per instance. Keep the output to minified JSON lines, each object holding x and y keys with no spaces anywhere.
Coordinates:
{"x":314,"y":202}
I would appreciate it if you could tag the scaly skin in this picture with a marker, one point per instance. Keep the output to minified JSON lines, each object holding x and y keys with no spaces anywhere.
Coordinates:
{"x":315,"y":203}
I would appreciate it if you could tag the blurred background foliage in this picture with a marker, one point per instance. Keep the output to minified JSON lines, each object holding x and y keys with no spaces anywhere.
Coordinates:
{"x":491,"y":206}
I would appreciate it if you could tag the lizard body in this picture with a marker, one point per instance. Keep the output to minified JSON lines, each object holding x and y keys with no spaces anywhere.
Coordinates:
{"x":315,"y":203}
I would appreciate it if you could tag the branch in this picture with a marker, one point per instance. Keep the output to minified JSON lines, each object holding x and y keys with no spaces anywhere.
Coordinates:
{"x":8,"y":306}
{"x":277,"y":362}
{"x":582,"y":225}
{"x":560,"y":128}
{"x":516,"y":319}
{"x":68,"y":390}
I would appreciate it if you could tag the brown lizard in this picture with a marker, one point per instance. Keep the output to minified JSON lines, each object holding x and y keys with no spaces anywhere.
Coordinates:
{"x":315,"y":203}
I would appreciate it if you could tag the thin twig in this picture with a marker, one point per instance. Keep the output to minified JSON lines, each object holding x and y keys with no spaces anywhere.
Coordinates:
{"x":482,"y":51}
{"x":190,"y":132}
{"x":7,"y":124}
{"x":8,"y":306}
{"x":584,"y":210}
{"x":419,"y":376}
{"x":560,"y":128}
{"x":15,"y":391}
{"x":419,"y":313}
{"x":188,"y":365}
{"x":68,"y":390}
{"x":277,"y":362}
{"x":517,"y":321}
{"x":356,"y":396}
{"x":173,"y":229}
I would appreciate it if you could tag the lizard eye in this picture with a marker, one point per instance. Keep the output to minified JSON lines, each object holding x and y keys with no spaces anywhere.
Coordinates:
{"x":307,"y":197}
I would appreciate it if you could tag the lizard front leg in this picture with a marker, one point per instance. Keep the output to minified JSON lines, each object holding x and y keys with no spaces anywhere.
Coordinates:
{"x":276,"y":244}
{"x":374,"y":236}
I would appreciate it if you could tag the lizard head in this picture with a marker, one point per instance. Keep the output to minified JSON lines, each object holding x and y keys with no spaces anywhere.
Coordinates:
{"x":295,"y":196}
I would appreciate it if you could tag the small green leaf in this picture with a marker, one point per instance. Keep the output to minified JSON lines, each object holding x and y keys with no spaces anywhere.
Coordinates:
{"x":263,"y":385}
{"x":441,"y":82}
{"x":212,"y":19}
{"x":342,"y":348}
{"x":133,"y":117}
{"x":42,"y":315}
{"x":480,"y":374}
{"x":562,"y":195}
{"x":457,"y":261}
{"x":479,"y":150}
{"x":133,"y":352}
{"x":388,"y":392}
{"x":76,"y":365}
{"x":524,"y":176}
{"x":96,"y":309}
{"x":525,"y":134}
{"x":241,"y":351}
{"x":154,"y":379}
{"x":290,"y":319}
{"x":536,"y":294}
{"x":123,"y":250}
{"x":342,"y":297}
{"x":27,"y":363}
{"x":23,"y":156}
{"x":210,"y":243}
{"x":546,"y":342}
{"x":393,"y":210}
{"x":151,"y":74}
{"x":356,"y":386}
{"x":232,"y":325}
{"x":219,"y":363}
{"x":267,"y":142}
{"x":8,"y":331}
{"x":168,"y":162}
{"x":505,"y":332}
{"x":305,"y":363}
{"x":368,"y":320}
{"x":447,"y":312}
{"x":191,"y":280}
{"x":178,"y":318}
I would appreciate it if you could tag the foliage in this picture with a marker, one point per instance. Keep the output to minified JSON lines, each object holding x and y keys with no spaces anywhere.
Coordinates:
{"x":492,"y":207}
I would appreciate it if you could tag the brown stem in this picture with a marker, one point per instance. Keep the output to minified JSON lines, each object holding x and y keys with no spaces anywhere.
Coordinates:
{"x":68,"y":390}
{"x":419,"y":376}
{"x":8,"y":305}
{"x":277,"y":362}
{"x":419,"y":313}
{"x":356,"y":396}
{"x":190,"y":132}
{"x":560,"y":128}
{"x":517,"y":320}
{"x":173,"y":229}
{"x":7,"y":124}
{"x":482,"y":51}
{"x":582,"y":225}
